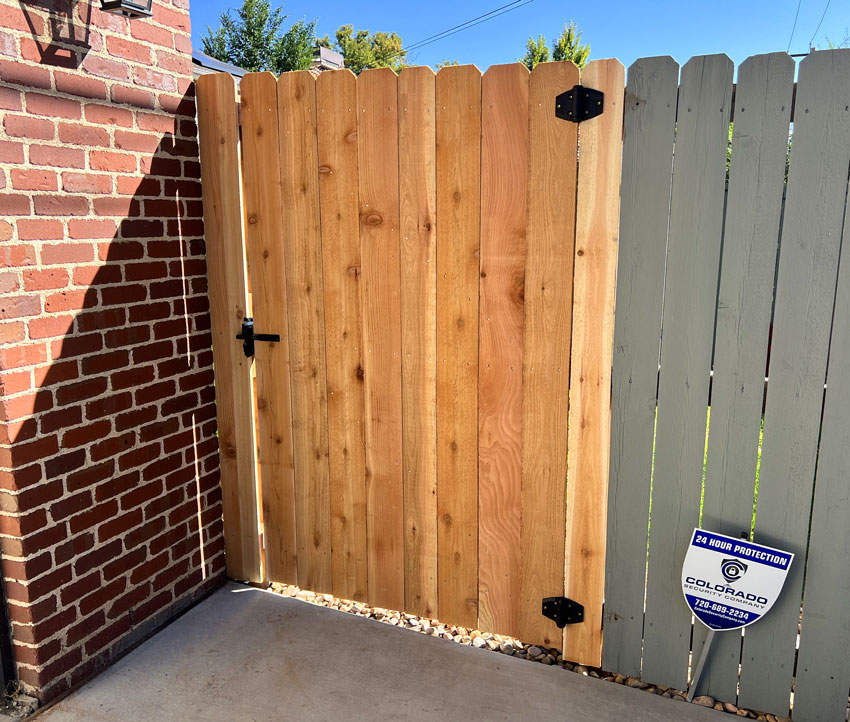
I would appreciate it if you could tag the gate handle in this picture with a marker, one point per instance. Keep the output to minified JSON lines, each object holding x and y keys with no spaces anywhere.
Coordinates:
{"x":247,"y":336}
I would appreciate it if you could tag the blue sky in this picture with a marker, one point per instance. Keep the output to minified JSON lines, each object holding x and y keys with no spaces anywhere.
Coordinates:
{"x":619,"y":28}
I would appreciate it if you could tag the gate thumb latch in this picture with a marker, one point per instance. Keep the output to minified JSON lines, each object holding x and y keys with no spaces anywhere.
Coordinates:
{"x":579,"y":104}
{"x":247,"y":337}
{"x":563,"y":611}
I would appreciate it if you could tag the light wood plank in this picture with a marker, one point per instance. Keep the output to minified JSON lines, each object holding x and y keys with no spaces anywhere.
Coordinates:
{"x":377,"y":145}
{"x":418,"y":214}
{"x":504,"y":185}
{"x":267,"y":268}
{"x":458,"y":209}
{"x":696,"y":220}
{"x":547,"y":332}
{"x":304,"y":292}
{"x":594,"y":283}
{"x":338,"y":199}
{"x":221,"y":178}
{"x":649,"y":123}
{"x":805,"y":292}
{"x":823,"y":669}
{"x":745,"y":301}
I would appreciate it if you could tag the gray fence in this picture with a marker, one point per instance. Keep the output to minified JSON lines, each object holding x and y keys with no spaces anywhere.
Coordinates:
{"x":699,"y":290}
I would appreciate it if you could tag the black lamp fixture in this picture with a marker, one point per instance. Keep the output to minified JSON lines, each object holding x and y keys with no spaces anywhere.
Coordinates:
{"x":128,"y":8}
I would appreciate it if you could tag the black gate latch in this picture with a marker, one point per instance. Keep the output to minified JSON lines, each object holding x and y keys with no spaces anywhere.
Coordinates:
{"x":579,"y":104}
{"x":248,"y":336}
{"x":563,"y":611}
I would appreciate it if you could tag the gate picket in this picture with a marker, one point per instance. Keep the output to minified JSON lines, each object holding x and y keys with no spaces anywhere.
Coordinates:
{"x":696,"y":214}
{"x":267,"y":268}
{"x":418,"y":214}
{"x":805,"y":293}
{"x":458,"y":210}
{"x":504,"y":190}
{"x":546,"y":354}
{"x":595,"y":275}
{"x":751,"y":238}
{"x":221,"y":177}
{"x":649,"y":121}
{"x":337,"y":159}
{"x":302,"y":243}
{"x":377,"y":146}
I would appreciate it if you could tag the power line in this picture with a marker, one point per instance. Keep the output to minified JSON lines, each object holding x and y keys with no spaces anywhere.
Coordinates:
{"x":821,"y":21}
{"x":516,"y":5}
{"x":796,"y":15}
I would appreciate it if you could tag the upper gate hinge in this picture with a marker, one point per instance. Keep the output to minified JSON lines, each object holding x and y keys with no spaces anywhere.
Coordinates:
{"x":579,"y":104}
{"x":563,"y":611}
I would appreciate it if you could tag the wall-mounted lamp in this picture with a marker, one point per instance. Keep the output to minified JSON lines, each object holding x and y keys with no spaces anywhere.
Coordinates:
{"x":128,"y":8}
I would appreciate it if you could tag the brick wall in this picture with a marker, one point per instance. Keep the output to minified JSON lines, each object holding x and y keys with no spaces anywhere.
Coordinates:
{"x":109,"y":500}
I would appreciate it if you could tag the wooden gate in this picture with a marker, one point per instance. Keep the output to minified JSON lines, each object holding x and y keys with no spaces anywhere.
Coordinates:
{"x":438,"y":255}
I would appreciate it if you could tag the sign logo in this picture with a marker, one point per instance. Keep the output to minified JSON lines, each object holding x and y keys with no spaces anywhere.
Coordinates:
{"x":732,"y":570}
{"x":730,"y":583}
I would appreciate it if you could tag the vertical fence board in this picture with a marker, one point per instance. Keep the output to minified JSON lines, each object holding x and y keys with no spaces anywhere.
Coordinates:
{"x":337,"y":159}
{"x":418,"y":215}
{"x":219,"y":134}
{"x":504,"y":188}
{"x":547,"y":331}
{"x":594,"y":281}
{"x":649,"y":122}
{"x":696,"y":215}
{"x":458,"y":209}
{"x":267,"y":268}
{"x":745,"y":300}
{"x":301,"y":238}
{"x":823,"y":669}
{"x":805,"y":292}
{"x":377,"y":146}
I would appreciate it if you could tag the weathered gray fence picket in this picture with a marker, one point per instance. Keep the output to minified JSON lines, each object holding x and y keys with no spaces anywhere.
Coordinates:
{"x":692,"y":270}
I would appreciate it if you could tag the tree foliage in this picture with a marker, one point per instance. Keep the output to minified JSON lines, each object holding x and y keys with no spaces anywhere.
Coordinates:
{"x":254,"y":39}
{"x":567,"y":46}
{"x":362,"y":49}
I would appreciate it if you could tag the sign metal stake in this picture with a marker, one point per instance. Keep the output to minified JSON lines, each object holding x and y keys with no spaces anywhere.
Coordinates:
{"x":709,"y":638}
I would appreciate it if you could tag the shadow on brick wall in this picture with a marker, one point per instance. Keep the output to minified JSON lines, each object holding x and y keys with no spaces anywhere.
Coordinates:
{"x":116,"y":522}
{"x":68,"y":31}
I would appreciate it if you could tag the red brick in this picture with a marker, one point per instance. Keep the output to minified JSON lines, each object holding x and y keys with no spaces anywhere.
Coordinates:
{"x":84,"y":628}
{"x":69,"y":506}
{"x":118,"y":525}
{"x":52,"y":106}
{"x":61,"y":205}
{"x":158,"y":81}
{"x":12,"y":333}
{"x":74,"y":393}
{"x":67,"y":253}
{"x":37,"y":633}
{"x":96,"y":275}
{"x":92,"y":517}
{"x":133,"y":377}
{"x":21,"y":126}
{"x":86,"y":183}
{"x":109,"y":406}
{"x":110,"y":447}
{"x":142,"y":142}
{"x":112,"y":162}
{"x":60,"y":419}
{"x":101,"y":319}
{"x":123,"y":206}
{"x":86,"y":434}
{"x":109,"y":115}
{"x":57,"y":157}
{"x":152,"y":34}
{"x":50,"y":326}
{"x":11,"y":151}
{"x":141,"y":228}
{"x":128,"y":50}
{"x":180,"y":64}
{"x":75,"y":84}
{"x":10,"y":99}
{"x":132,"y":96}
{"x":131,"y":186}
{"x":135,"y":418}
{"x":105,"y":362}
{"x":44,"y":280}
{"x":15,"y":72}
{"x":156,"y":122}
{"x":92,"y":229}
{"x":14,"y":205}
{"x":129,"y":600}
{"x":36,"y":656}
{"x":153,"y":352}
{"x":108,"y":635}
{"x":106,"y":594}
{"x":57,"y":373}
{"x":123,"y":295}
{"x":105,"y":68}
{"x":40,"y":230}
{"x":17,"y":18}
{"x":71,"y":346}
{"x":33,"y":180}
{"x":83,"y":135}
{"x":90,"y":476}
{"x":149,"y":311}
{"x":18,"y":306}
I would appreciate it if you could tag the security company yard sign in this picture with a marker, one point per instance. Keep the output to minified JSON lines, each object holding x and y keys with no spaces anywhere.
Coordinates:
{"x":730,"y":583}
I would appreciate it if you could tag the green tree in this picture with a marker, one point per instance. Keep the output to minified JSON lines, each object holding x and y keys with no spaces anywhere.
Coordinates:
{"x":568,"y":46}
{"x":255,"y":40}
{"x":362,"y":49}
{"x":535,"y":52}
{"x":446,"y":63}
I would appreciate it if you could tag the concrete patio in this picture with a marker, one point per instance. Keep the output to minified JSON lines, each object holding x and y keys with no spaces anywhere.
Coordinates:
{"x":246,"y":654}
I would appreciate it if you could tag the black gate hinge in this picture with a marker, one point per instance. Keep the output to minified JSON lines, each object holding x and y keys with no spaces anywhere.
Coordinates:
{"x":247,"y":337}
{"x":579,"y":104}
{"x":563,"y":611}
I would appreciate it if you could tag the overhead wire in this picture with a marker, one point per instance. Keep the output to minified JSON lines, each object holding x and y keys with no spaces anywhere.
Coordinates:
{"x":796,"y":15}
{"x":820,"y":23}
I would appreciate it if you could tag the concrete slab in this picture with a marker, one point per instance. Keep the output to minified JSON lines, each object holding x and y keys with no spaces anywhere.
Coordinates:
{"x":245,"y":654}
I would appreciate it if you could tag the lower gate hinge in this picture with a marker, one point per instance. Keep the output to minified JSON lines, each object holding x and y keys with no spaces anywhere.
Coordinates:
{"x":247,"y":337}
{"x":579,"y":104}
{"x":563,"y":611}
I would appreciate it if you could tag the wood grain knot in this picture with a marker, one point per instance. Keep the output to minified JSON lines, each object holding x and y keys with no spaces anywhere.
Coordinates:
{"x":252,"y":219}
{"x":324,"y":169}
{"x":374,"y":219}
